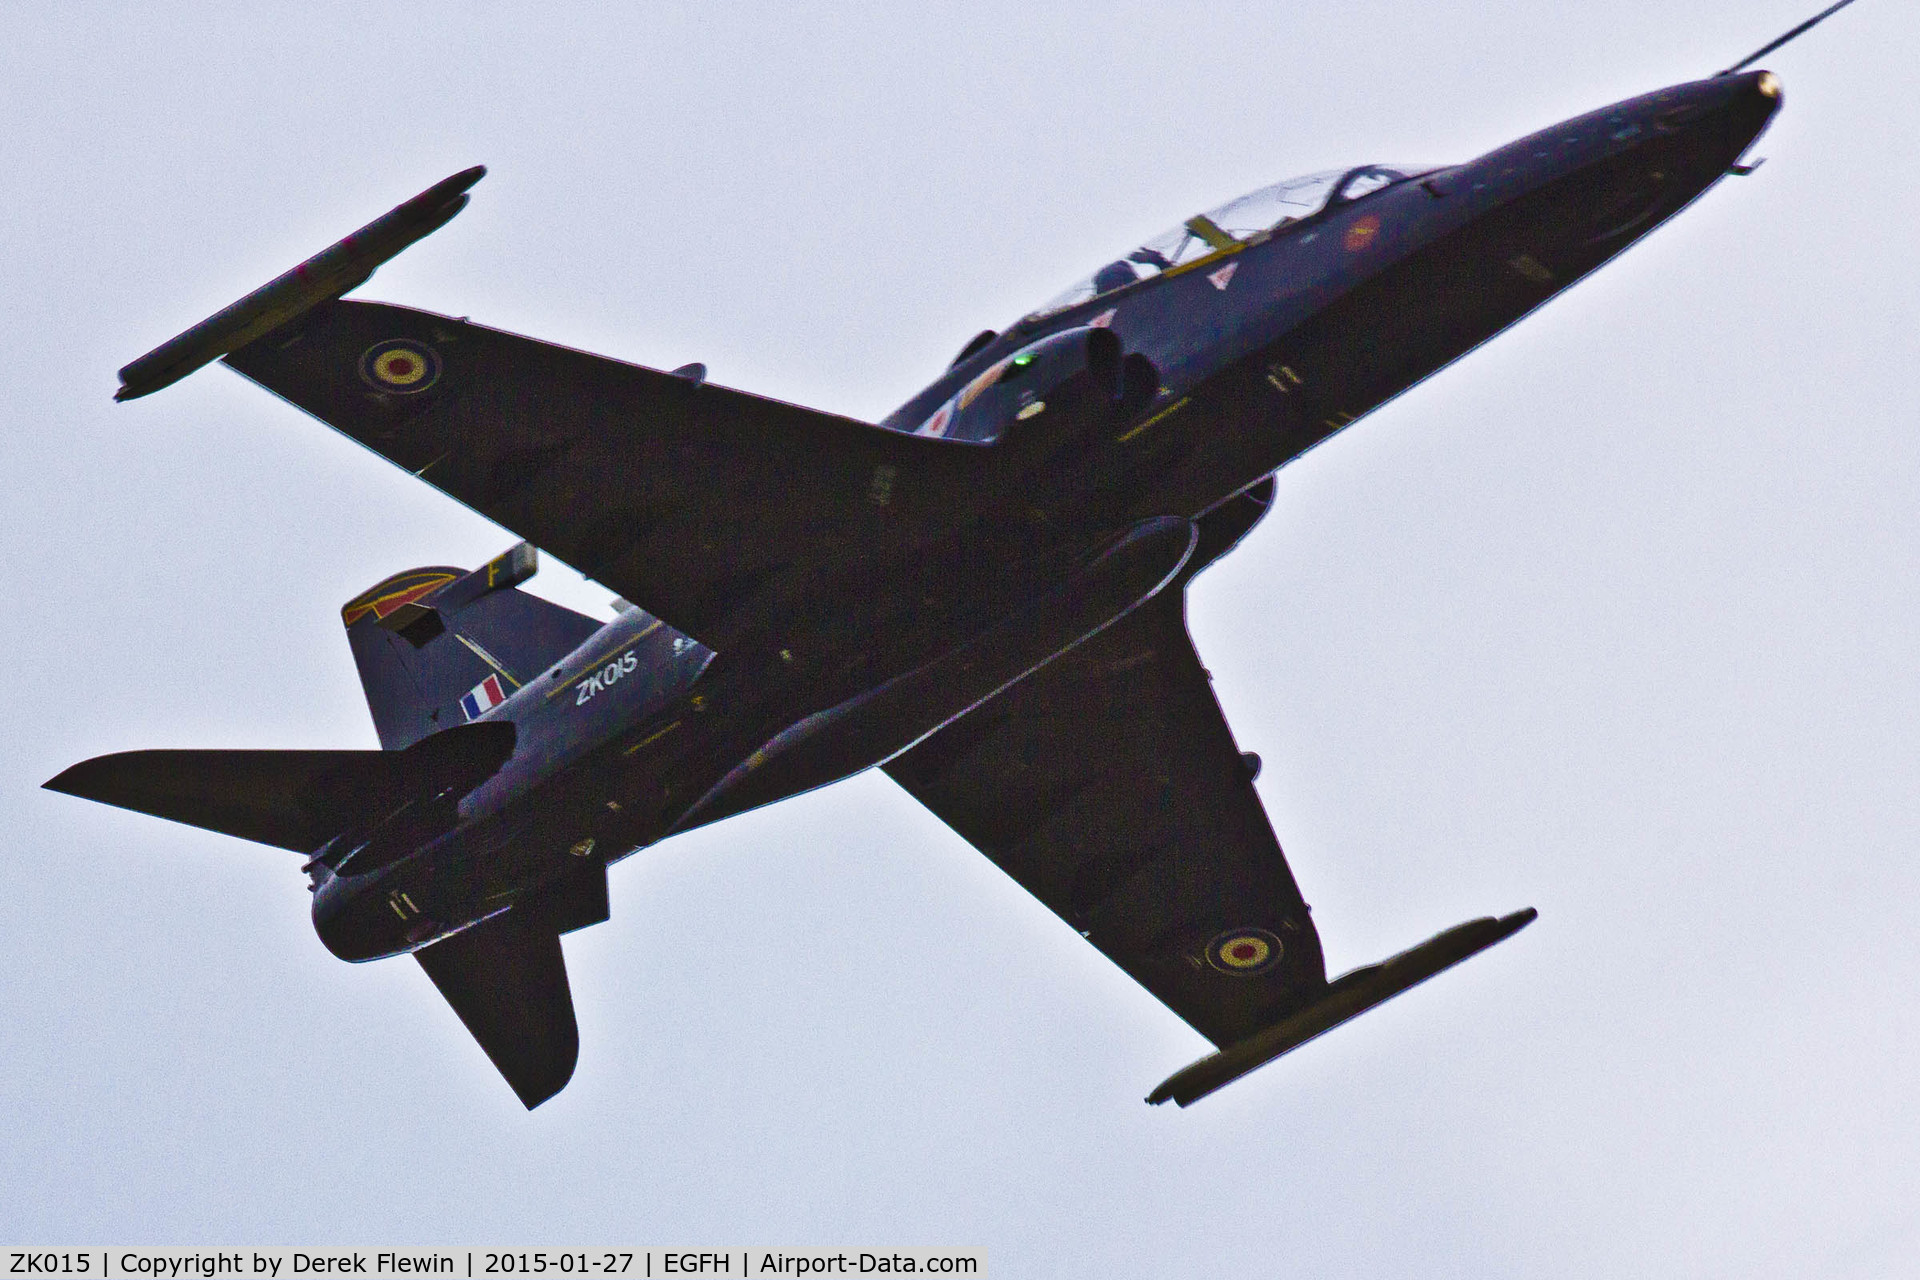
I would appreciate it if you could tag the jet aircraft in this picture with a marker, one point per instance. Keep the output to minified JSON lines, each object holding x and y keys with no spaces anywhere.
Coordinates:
{"x":982,"y":594}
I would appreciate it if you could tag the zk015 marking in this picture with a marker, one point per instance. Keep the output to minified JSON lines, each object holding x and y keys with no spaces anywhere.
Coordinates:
{"x":52,"y":1264}
{"x":620,"y":666}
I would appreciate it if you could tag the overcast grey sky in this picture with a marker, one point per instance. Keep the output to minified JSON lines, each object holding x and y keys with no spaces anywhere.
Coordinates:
{"x":1616,"y":618}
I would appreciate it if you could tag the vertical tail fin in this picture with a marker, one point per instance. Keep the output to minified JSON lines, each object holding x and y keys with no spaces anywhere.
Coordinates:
{"x":439,"y":646}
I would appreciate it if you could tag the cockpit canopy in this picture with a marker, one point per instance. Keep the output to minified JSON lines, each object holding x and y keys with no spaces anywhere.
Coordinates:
{"x":1233,"y":226}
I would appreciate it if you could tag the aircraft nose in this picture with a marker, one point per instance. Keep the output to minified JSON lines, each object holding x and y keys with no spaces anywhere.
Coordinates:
{"x":1740,"y":94}
{"x":1718,"y":118}
{"x":1756,"y":97}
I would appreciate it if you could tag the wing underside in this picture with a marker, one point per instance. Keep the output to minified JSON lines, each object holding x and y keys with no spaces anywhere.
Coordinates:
{"x":683,"y":496}
{"x":1110,"y":787}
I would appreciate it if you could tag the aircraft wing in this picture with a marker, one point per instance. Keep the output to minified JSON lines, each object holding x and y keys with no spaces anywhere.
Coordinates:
{"x":683,"y":497}
{"x":1110,"y":787}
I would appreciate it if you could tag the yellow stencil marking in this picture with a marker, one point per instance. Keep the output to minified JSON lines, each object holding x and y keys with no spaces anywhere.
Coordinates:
{"x":487,"y":658}
{"x":1275,"y":374}
{"x":1205,"y":229}
{"x":1208,"y":260}
{"x":1167,"y":412}
{"x":603,"y":659}
{"x":653,"y":737}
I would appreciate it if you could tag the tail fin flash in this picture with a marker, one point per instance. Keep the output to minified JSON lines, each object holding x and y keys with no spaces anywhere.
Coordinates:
{"x":439,"y":646}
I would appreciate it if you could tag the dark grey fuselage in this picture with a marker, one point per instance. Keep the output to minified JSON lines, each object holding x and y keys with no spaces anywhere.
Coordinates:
{"x":1082,"y":510}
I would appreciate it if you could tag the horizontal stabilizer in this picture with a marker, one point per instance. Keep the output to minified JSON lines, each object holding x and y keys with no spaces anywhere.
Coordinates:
{"x":1347,"y":996}
{"x":326,"y":275}
{"x":507,"y":979}
{"x":293,"y":799}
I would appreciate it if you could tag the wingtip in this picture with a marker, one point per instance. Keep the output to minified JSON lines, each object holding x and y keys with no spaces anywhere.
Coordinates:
{"x":68,"y":781}
{"x":536,"y":1084}
{"x":542,"y":1093}
{"x":337,"y":269}
{"x":1341,"y":1001}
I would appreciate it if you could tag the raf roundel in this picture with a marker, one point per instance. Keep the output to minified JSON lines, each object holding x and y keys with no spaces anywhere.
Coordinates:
{"x":1362,"y":233}
{"x":400,"y":366}
{"x":1244,"y":952}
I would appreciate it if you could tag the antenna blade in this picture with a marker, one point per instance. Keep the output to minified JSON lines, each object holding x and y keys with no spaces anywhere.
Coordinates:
{"x":1798,"y":31}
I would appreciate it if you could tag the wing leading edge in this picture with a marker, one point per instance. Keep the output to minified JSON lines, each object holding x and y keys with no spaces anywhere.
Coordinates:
{"x":682,"y":496}
{"x":1109,"y":785}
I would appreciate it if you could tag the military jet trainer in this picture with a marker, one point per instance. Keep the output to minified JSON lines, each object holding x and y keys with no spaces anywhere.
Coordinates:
{"x":982,"y":594}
